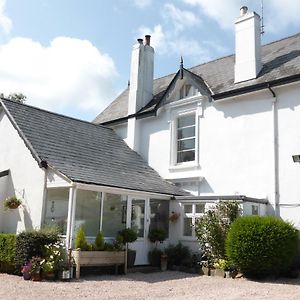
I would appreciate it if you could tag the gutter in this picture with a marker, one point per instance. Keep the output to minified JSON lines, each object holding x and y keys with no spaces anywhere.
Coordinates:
{"x":256,"y":87}
{"x":275,"y":151}
{"x":240,"y":198}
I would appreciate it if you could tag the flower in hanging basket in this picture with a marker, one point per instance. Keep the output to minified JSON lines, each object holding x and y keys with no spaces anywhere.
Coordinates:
{"x":12,"y":202}
{"x":174,"y":216}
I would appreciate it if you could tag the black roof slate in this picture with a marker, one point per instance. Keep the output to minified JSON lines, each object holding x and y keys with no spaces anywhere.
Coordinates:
{"x":281,"y":59}
{"x":83,"y":151}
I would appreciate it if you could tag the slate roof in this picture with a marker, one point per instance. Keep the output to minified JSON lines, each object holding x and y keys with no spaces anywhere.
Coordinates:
{"x":281,"y":60}
{"x":83,"y":151}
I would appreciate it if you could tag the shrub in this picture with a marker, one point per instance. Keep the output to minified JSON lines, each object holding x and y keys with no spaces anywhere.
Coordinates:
{"x":177,"y":254}
{"x":81,"y":241}
{"x":7,"y":252}
{"x":211,"y":230}
{"x":261,"y":246}
{"x":128,"y":235}
{"x":31,"y":243}
{"x":157,"y":235}
{"x":99,"y":241}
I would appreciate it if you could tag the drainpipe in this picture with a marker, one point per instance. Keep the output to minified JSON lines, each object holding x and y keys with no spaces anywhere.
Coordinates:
{"x":275,"y":150}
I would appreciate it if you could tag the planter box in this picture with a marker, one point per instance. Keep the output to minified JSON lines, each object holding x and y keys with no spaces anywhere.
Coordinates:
{"x":220,"y":273}
{"x":99,"y":258}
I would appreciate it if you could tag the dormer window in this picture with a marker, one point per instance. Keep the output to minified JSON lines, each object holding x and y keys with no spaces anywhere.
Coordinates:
{"x":187,"y":90}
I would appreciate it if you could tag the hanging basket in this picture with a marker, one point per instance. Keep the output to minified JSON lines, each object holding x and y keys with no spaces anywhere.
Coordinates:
{"x":12,"y":203}
{"x":174,"y":217}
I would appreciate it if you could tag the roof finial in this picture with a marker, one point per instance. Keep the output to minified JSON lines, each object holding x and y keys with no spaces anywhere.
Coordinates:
{"x":181,"y":67}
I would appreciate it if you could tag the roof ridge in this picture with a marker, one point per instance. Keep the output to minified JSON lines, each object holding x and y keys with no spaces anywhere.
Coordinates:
{"x":53,"y":113}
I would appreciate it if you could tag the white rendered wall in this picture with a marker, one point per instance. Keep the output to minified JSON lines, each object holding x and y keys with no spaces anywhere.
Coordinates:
{"x":236,"y":148}
{"x":27,"y":180}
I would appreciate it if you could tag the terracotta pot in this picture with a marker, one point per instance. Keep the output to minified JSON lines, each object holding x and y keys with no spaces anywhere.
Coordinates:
{"x":36,"y":277}
{"x":49,"y":275}
{"x":26,"y":276}
{"x":13,"y":205}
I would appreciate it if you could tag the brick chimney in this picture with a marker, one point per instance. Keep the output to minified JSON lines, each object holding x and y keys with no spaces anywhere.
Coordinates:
{"x":247,"y":46}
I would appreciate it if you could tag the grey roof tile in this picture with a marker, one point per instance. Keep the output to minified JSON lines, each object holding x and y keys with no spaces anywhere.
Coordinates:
{"x":85,"y":152}
{"x":280,"y":59}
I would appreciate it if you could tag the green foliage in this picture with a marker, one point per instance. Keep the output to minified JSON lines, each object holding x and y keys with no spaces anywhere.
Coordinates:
{"x":99,"y":242}
{"x":128,"y":235}
{"x":31,"y":243}
{"x":261,"y":246}
{"x":54,"y":257}
{"x":18,"y":97}
{"x":211,"y":230}
{"x":7,"y":252}
{"x":177,"y":254}
{"x":154,"y":257}
{"x":12,"y":203}
{"x":81,"y":241}
{"x":157,"y":235}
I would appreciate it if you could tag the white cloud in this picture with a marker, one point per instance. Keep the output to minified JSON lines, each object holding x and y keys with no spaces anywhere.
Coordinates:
{"x":170,"y":42}
{"x":158,"y":37}
{"x":68,"y":75}
{"x":142,"y":3}
{"x":224,"y":12}
{"x":5,"y":22}
{"x":181,"y":19}
{"x":280,"y":15}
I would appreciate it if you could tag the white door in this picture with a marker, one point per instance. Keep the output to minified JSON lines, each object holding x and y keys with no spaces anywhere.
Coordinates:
{"x":139,"y":219}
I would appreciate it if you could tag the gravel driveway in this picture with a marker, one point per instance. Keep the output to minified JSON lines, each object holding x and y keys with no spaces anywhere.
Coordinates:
{"x":166,"y":285}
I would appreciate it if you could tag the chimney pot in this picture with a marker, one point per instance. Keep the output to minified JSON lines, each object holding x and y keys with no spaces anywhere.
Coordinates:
{"x":140,"y":41}
{"x":147,"y":38}
{"x":243,"y":10}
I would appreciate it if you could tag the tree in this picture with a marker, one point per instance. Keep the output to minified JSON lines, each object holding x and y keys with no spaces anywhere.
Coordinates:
{"x":18,"y":97}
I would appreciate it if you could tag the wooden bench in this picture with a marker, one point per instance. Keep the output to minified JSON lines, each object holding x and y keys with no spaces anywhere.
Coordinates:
{"x":99,"y":258}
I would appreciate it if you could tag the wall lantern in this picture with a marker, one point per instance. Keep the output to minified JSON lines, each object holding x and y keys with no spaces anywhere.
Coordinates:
{"x":296,"y":158}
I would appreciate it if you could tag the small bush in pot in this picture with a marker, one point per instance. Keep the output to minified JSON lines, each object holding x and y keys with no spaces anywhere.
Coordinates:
{"x":157,"y":235}
{"x":126,"y":236}
{"x":99,"y":242}
{"x":81,"y":241}
{"x":177,"y":254}
{"x":157,"y":257}
{"x":262,"y":246}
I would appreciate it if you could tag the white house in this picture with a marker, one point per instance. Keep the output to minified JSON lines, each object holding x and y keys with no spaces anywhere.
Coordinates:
{"x":223,"y":130}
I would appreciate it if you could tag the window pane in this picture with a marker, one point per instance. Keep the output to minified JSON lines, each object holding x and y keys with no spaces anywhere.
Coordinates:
{"x":186,"y":144}
{"x":188,"y":209}
{"x":113,"y":215}
{"x":186,"y":120}
{"x":185,"y":156}
{"x":187,"y":226}
{"x":200,"y":208}
{"x":88,"y":205}
{"x":186,"y":132}
{"x":159,"y":215}
{"x":255,"y":210}
{"x":138,"y":216}
{"x":57,"y":208}
{"x":188,"y":90}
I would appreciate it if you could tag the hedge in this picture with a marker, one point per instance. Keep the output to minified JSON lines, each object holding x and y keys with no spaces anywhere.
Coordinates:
{"x":262,"y":246}
{"x":30,"y":243}
{"x":7,"y":252}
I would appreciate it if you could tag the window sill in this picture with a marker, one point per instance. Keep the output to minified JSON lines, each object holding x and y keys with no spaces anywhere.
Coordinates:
{"x":185,"y":166}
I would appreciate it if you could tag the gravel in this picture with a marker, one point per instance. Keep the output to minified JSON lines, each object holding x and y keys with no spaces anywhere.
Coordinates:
{"x":165,"y":285}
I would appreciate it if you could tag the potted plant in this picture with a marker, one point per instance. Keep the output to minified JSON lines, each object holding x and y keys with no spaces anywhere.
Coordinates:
{"x":35,"y":270}
{"x":174,"y":217}
{"x":12,"y":202}
{"x":26,"y":271}
{"x":220,"y":266}
{"x":156,"y":256}
{"x":129,"y":235}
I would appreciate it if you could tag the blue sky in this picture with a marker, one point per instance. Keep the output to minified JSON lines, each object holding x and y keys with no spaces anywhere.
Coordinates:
{"x":73,"y":56}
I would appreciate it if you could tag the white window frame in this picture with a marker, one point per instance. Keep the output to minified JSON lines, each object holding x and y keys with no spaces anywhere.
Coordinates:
{"x":173,"y":146}
{"x":193,"y":215}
